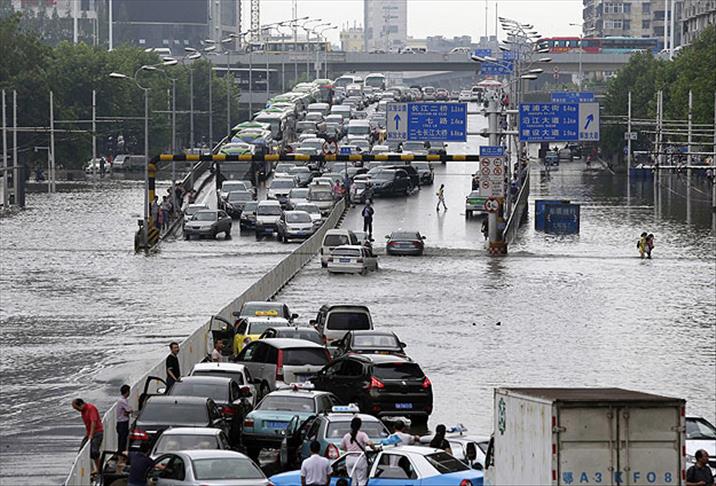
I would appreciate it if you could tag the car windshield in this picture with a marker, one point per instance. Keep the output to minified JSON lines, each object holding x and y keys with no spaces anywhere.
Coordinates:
{"x":375,"y":341}
{"x":298,"y":217}
{"x":300,"y":170}
{"x":375,"y":430}
{"x":193,"y":209}
{"x":358,"y":130}
{"x":307,"y":334}
{"x":237,"y":376}
{"x":226,"y":468}
{"x":282,"y":184}
{"x":204,"y":216}
{"x":336,"y":240}
{"x":413,"y":146}
{"x":314,"y":117}
{"x":320,"y":196}
{"x":175,"y":413}
{"x":700,"y":429}
{"x":398,"y":371}
{"x":287,"y":403}
{"x":261,"y":326}
{"x":250,"y":206}
{"x":298,"y":193}
{"x":176,"y":442}
{"x":348,"y":321}
{"x":444,"y":463}
{"x":404,"y":235}
{"x":219,"y":392}
{"x":283,"y":168}
{"x":262,"y":308}
{"x":268,"y":210}
{"x":309,"y":208}
{"x":239,"y":196}
{"x":305,"y":357}
{"x":311,"y":143}
{"x":383,"y":175}
{"x":232,"y":186}
{"x":346,"y":252}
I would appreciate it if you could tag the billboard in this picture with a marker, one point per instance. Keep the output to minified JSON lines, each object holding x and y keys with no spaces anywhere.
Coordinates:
{"x":161,"y":11}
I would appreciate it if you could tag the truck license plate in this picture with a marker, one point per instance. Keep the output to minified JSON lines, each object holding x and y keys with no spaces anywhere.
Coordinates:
{"x":403,"y":406}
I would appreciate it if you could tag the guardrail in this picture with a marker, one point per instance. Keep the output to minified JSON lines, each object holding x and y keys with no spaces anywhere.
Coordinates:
{"x":519,"y":211}
{"x":196,"y":347}
{"x":321,"y":158}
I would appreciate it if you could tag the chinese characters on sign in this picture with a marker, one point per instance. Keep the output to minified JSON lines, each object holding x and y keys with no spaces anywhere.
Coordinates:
{"x":492,"y":171}
{"x":549,"y":122}
{"x":445,"y":122}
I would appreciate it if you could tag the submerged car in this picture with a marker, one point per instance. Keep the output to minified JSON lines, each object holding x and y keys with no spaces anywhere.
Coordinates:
{"x":207,"y":222}
{"x":295,"y":225}
{"x":404,"y":243}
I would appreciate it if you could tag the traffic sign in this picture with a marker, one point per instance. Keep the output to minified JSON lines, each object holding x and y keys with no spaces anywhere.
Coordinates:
{"x":492,"y":151}
{"x":492,"y":205}
{"x":496,"y":69}
{"x":572,"y":97}
{"x":346,"y":150}
{"x":432,"y":122}
{"x":559,"y":122}
{"x":492,"y":158}
{"x":630,"y":135}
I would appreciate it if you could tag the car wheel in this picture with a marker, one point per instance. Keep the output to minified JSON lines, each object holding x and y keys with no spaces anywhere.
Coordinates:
{"x":468,"y":213}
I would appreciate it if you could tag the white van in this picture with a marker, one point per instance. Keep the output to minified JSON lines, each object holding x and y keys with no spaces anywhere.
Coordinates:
{"x":333,"y":321}
{"x":344,"y":110}
{"x":358,"y":130}
{"x":335,"y":238}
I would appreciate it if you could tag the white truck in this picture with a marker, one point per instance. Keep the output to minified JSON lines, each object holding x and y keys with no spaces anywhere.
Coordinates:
{"x":586,"y":436}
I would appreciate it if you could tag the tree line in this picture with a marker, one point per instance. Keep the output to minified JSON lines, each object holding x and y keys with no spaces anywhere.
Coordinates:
{"x":33,"y":68}
{"x":693,"y":68}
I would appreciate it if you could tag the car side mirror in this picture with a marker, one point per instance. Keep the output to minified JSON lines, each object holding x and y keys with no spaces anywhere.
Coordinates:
{"x":161,"y":391}
{"x":387,"y":237}
{"x":312,"y":322}
{"x":422,"y":237}
{"x":403,"y":345}
{"x":294,"y":316}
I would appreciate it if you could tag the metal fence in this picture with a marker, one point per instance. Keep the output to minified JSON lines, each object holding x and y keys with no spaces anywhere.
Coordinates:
{"x":519,"y":210}
{"x":196,"y":347}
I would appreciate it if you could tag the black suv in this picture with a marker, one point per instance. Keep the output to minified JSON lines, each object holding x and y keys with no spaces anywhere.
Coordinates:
{"x":381,"y":385}
{"x":388,"y":182}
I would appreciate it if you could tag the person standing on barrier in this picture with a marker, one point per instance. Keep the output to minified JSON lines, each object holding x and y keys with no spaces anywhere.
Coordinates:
{"x":94,"y":430}
{"x":172,"y":364}
{"x":367,"y":214}
{"x":124,"y":410}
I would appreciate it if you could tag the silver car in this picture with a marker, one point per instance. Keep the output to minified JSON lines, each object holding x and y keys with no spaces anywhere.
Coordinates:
{"x":295,"y":225}
{"x":297,"y":195}
{"x":313,"y":211}
{"x":207,"y":468}
{"x":189,"y":438}
{"x":208,"y":222}
{"x":267,"y":215}
{"x":321,"y":197}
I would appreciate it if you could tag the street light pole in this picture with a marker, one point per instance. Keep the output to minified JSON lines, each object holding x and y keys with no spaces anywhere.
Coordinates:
{"x":191,"y":108}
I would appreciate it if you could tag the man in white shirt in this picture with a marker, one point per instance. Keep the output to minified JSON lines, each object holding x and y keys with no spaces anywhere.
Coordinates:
{"x":316,"y":470}
{"x":405,"y":439}
{"x":216,"y":356}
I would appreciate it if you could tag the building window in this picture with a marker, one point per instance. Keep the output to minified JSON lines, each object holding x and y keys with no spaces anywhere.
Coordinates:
{"x":646,"y":8}
{"x":165,"y":42}
{"x":142,"y":42}
{"x":627,"y":24}
{"x":613,"y":24}
{"x":627,"y":8}
{"x":646,"y":24}
{"x":613,"y":8}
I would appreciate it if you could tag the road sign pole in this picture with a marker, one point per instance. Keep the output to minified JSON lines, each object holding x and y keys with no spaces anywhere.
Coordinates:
{"x":629,"y":131}
{"x":493,"y":131}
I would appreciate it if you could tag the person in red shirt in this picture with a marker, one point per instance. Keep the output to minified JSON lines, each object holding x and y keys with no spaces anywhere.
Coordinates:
{"x":93,"y":426}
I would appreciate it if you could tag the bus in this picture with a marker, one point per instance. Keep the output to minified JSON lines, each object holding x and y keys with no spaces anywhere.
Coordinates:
{"x":375,"y":80}
{"x":597,"y":45}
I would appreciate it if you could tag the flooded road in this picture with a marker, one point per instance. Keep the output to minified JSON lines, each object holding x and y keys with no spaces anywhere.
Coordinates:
{"x":80,"y":314}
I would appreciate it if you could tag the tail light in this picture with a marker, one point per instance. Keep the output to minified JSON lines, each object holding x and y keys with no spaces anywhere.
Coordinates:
{"x":138,"y":434}
{"x":392,"y":243}
{"x":279,"y":366}
{"x":465,"y":482}
{"x":227,"y":410}
{"x":249,"y":422}
{"x":426,"y":383}
{"x":332,"y":452}
{"x":360,"y":260}
{"x":375,"y":383}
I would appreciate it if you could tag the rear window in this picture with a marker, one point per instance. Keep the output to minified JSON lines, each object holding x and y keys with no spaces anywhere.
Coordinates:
{"x":238,"y":377}
{"x":444,"y":463}
{"x":398,"y":371}
{"x":260,"y":327}
{"x":336,"y":240}
{"x":346,"y":252}
{"x":269,"y":210}
{"x":375,"y":430}
{"x":176,"y":413}
{"x":298,"y":218}
{"x":307,"y":334}
{"x":379,"y":341}
{"x":217,"y":392}
{"x":348,"y":321}
{"x":262,"y":307}
{"x":320,"y":196}
{"x":176,"y":442}
{"x":226,"y":468}
{"x":305,"y":356}
{"x":282,"y":184}
{"x":404,"y":235}
{"x":284,"y":403}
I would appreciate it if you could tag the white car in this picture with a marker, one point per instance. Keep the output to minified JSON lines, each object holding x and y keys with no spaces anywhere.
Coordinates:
{"x":192,"y":209}
{"x":238,"y":372}
{"x":204,"y":467}
{"x":282,"y":169}
{"x":267,"y":215}
{"x":322,"y":196}
{"x":313,"y":211}
{"x":321,"y":181}
{"x":280,"y":187}
{"x":189,"y":439}
{"x":352,"y":259}
{"x":297,"y":195}
{"x":228,"y":186}
{"x":700,"y":434}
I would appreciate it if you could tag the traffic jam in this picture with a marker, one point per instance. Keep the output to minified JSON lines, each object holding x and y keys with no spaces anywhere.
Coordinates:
{"x":279,"y":389}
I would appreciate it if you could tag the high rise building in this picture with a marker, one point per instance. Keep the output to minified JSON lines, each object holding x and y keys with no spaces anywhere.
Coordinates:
{"x":635,"y":18}
{"x":352,"y":39}
{"x":174,"y":24}
{"x":696,"y":16}
{"x":385,"y":24}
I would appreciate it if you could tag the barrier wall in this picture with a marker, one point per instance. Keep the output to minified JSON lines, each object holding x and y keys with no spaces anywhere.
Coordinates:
{"x":196,"y":347}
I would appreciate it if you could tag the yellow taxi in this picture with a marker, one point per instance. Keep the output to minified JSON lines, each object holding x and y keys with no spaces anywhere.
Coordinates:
{"x":250,"y":328}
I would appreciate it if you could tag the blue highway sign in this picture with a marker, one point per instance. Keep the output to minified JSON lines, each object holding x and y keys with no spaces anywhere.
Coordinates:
{"x":549,"y":122}
{"x":572,"y":97}
{"x":496,"y":69}
{"x":492,"y":151}
{"x":432,"y":122}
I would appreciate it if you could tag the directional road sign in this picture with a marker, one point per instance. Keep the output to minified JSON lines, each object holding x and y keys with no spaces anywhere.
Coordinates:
{"x":559,"y":122}
{"x":572,"y":97}
{"x":432,"y":122}
{"x":500,"y":68}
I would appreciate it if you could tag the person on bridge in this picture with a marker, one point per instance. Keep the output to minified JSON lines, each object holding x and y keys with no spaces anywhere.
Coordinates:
{"x":93,"y":428}
{"x":649,"y":245}
{"x":172,"y":364}
{"x":367,"y":214}
{"x":441,"y":197}
{"x":216,"y":355}
{"x":124,"y":410}
{"x":154,"y":212}
{"x":641,"y":245}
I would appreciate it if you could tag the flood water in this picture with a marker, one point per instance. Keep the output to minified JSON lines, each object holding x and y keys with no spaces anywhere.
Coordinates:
{"x":80,"y":314}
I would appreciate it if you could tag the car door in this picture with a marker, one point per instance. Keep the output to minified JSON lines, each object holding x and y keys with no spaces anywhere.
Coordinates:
{"x":220,"y":330}
{"x":153,"y":386}
{"x":217,"y":419}
{"x":242,"y":326}
{"x":371,"y":261}
{"x":391,"y":469}
{"x":169,"y":470}
{"x":249,"y":358}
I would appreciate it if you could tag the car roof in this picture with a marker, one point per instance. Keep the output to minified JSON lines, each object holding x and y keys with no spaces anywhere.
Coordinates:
{"x":348,"y":247}
{"x":330,"y":307}
{"x":294,"y":211}
{"x":214,"y":380}
{"x":381,"y":358}
{"x":191,"y":431}
{"x":276,"y":319}
{"x":288,"y":343}
{"x":270,"y":202}
{"x":338,"y":231}
{"x":213,"y":453}
{"x":177,"y":399}
{"x":219,"y":366}
{"x":291,"y":391}
{"x":347,"y":417}
{"x":371,"y":332}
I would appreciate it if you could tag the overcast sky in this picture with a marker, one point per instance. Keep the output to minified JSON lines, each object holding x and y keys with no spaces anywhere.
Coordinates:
{"x":436,"y":17}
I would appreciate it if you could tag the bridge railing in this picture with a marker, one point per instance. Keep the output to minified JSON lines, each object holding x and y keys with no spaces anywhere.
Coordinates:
{"x":519,"y":208}
{"x":196,"y":347}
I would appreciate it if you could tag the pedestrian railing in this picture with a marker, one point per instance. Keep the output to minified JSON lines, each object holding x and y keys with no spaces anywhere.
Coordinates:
{"x":519,"y":209}
{"x":196,"y":347}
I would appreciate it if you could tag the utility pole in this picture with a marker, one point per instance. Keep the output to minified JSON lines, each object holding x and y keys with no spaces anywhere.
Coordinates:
{"x":75,"y":14}
{"x":494,"y":138}
{"x":191,"y":107}
{"x":51,"y":180}
{"x":666,"y":25}
{"x":691,"y":106}
{"x":5,"y":195}
{"x":94,"y":129}
{"x":629,"y":135}
{"x":111,"y":30}
{"x":671,"y":34}
{"x":15,"y":163}
{"x":211,"y":107}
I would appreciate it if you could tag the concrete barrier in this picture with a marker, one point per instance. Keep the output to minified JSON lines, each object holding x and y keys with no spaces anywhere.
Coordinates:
{"x":195,"y":348}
